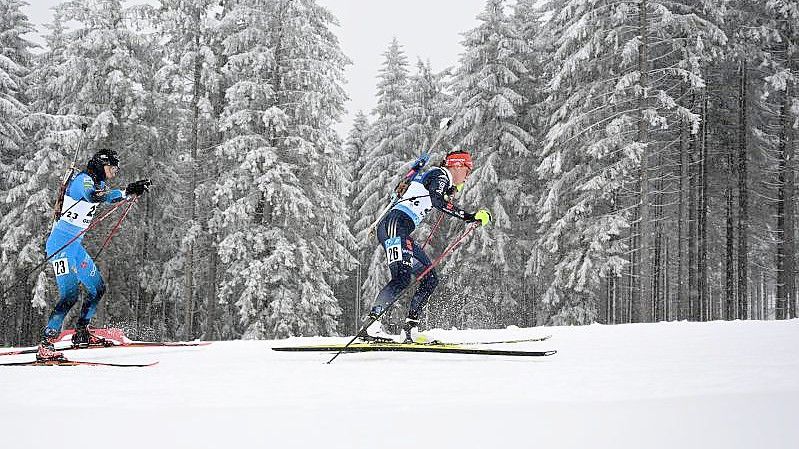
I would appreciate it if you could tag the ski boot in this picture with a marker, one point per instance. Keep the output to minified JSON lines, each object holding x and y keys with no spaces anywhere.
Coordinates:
{"x":47,"y":350}
{"x":375,"y":332}
{"x":411,"y":331}
{"x":83,"y":338}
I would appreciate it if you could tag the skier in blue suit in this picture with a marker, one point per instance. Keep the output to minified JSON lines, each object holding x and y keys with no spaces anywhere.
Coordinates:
{"x":73,"y":265}
{"x":405,"y":258}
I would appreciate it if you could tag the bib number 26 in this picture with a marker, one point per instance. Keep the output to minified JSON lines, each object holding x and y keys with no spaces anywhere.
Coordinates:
{"x":393,"y":250}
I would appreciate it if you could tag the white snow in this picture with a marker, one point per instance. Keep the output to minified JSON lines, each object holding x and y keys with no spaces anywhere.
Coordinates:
{"x":666,"y":385}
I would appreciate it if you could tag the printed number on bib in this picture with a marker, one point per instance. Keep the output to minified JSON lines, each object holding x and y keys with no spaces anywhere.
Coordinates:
{"x":78,"y":213}
{"x":61,"y":266}
{"x":393,"y":250}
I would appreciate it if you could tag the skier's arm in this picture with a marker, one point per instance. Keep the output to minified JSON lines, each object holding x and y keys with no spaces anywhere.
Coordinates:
{"x":92,"y":194}
{"x":438,"y":186}
{"x":114,"y":195}
{"x":106,"y":195}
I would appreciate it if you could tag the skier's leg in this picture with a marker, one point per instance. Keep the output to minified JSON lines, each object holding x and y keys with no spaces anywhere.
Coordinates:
{"x":399,"y":257}
{"x":426,"y":286}
{"x":64,"y":265}
{"x":92,"y":281}
{"x":400,"y":279}
{"x":67,"y":297}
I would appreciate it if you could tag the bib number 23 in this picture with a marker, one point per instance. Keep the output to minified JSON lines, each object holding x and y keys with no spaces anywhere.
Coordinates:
{"x":61,"y":266}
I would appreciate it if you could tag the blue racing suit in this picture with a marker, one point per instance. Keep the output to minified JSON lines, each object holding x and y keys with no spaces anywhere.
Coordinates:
{"x":405,"y":258}
{"x":73,"y":265}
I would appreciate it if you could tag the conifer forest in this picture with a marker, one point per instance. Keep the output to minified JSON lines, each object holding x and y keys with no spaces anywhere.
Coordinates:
{"x":637,"y":157}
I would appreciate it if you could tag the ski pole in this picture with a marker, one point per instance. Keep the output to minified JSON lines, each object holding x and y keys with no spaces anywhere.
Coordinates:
{"x":369,"y":322}
{"x":447,"y":251}
{"x":68,"y":177}
{"x":434,"y":230}
{"x":91,"y":225}
{"x":357,"y":334}
{"x":116,"y":227}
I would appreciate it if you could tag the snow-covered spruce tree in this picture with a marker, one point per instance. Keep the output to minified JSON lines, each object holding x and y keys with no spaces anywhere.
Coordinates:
{"x":387,"y":153}
{"x":735,"y":165}
{"x":18,"y":225}
{"x":285,"y":234}
{"x":776,"y":137}
{"x":527,"y":18}
{"x":189,"y":81}
{"x":617,"y":75}
{"x":15,"y":62}
{"x":427,"y":105}
{"x":482,"y":277}
{"x":355,"y":149}
{"x":310,"y":68}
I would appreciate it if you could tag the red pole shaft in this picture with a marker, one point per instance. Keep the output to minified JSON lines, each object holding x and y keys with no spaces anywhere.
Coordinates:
{"x":447,"y":251}
{"x":434,"y":230}
{"x":116,"y":226}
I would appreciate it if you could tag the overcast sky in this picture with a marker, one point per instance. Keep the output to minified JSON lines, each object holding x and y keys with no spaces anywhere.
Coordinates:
{"x":429,"y":29}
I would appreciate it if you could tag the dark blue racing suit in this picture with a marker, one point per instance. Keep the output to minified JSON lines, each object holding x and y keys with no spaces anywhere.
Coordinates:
{"x":405,"y":258}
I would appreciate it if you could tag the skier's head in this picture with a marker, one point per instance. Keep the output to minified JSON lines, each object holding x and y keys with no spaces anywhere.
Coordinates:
{"x":103,"y":165}
{"x":459,"y":164}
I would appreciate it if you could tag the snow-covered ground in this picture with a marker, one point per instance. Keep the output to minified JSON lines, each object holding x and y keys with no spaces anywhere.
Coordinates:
{"x":667,"y":385}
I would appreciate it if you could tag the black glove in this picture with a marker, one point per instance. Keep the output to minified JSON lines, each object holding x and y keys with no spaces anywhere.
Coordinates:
{"x":138,"y":188}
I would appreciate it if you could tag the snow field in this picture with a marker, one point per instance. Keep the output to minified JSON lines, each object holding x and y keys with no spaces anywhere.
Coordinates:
{"x":664,"y":385}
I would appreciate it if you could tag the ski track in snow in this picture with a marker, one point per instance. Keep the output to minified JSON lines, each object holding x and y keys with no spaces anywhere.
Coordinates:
{"x":665,"y":385}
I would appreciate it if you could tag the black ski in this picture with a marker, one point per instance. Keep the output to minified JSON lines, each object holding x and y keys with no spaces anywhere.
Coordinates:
{"x":411,"y":347}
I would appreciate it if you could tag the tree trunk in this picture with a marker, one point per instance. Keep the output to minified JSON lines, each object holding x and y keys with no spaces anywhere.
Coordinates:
{"x":704,"y":297}
{"x":729,"y":285}
{"x":693,"y":288}
{"x":743,"y":207}
{"x":657,"y":256}
{"x":785,"y":220}
{"x":656,"y":267}
{"x":188,"y":319}
{"x":765,"y":295}
{"x":667,"y":313}
{"x":642,"y":309}
{"x":683,"y":223}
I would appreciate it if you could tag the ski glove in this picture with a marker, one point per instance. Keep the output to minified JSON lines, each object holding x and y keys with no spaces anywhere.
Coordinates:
{"x":138,"y":188}
{"x":483,"y":216}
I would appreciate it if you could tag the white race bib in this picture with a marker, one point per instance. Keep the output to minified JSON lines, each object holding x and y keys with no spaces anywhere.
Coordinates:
{"x":61,"y":266}
{"x":416,"y":202}
{"x":78,"y":213}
